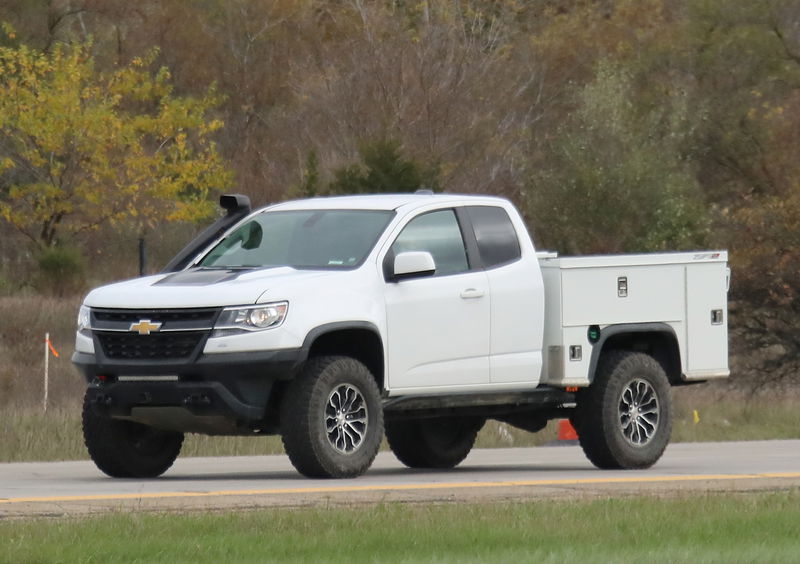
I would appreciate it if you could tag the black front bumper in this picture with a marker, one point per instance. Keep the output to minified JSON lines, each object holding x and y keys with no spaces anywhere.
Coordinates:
{"x":231,"y":385}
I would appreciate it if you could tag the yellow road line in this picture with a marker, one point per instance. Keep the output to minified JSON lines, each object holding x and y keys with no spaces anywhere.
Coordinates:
{"x":404,"y":487}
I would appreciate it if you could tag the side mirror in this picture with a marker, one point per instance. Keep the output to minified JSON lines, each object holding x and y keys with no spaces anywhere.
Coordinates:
{"x":252,"y":239}
{"x":413,"y":264}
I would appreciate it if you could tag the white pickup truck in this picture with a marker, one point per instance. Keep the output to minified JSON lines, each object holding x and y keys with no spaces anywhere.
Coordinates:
{"x":332,"y":321}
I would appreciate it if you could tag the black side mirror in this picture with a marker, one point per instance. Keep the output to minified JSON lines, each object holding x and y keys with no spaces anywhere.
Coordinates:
{"x":252,"y":239}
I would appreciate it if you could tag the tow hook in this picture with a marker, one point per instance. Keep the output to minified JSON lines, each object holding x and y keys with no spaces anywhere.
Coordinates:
{"x":196,"y":400}
{"x":103,"y":399}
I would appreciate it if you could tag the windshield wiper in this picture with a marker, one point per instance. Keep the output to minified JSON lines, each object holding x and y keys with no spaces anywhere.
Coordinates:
{"x":228,"y":267}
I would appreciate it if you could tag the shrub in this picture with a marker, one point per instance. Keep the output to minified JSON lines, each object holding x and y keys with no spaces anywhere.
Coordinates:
{"x":61,"y":271}
{"x":383,"y":170}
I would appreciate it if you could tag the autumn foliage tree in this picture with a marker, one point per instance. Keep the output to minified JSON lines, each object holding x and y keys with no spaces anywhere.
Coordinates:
{"x":80,"y":148}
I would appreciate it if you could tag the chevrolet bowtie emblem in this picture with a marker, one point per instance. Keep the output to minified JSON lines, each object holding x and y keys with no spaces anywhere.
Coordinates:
{"x":145,"y":327}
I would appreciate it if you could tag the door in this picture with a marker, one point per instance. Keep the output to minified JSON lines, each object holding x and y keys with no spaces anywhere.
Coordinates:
{"x":438,"y":325}
{"x":707,"y":320}
{"x":517,"y":313}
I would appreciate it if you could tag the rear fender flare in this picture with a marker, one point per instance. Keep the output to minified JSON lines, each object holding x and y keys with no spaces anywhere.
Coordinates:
{"x":633,"y":329}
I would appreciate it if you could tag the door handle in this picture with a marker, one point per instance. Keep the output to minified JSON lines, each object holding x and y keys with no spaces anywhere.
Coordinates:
{"x":471,"y":293}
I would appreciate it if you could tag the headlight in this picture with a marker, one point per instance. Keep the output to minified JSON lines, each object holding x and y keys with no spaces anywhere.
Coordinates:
{"x":235,"y":320}
{"x":84,"y":320}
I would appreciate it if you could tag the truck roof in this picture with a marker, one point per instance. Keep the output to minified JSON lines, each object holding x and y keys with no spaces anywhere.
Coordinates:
{"x":379,"y":201}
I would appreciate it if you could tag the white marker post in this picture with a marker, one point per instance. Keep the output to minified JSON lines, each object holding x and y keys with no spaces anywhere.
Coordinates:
{"x":46,"y":367}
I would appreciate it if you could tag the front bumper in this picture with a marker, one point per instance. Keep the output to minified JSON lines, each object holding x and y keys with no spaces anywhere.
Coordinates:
{"x":233,"y":386}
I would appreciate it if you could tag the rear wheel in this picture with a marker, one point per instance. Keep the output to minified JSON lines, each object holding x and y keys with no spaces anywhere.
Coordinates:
{"x":625,"y":416}
{"x":125,"y":449}
{"x":433,"y":443}
{"x":332,"y":418}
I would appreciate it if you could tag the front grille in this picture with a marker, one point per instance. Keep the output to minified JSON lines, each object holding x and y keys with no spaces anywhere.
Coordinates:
{"x":156,"y":346}
{"x":206,"y":315}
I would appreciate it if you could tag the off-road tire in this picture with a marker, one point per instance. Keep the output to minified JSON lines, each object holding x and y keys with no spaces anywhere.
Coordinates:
{"x":308,"y":412}
{"x":125,"y":449}
{"x":604,"y":412}
{"x":433,"y":443}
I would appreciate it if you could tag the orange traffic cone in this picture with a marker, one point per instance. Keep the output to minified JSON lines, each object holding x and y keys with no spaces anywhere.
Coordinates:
{"x":566,"y":432}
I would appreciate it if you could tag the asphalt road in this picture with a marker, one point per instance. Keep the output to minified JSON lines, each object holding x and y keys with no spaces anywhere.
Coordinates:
{"x":66,"y":488}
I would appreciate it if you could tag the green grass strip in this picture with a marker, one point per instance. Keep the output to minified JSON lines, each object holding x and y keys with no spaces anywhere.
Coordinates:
{"x":754,"y":527}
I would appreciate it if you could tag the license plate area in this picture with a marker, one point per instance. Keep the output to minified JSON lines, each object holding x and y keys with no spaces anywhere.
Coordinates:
{"x":148,"y":378}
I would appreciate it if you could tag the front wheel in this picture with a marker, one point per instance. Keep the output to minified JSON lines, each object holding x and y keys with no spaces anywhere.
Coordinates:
{"x":125,"y":449}
{"x":332,"y":418}
{"x":625,"y":416}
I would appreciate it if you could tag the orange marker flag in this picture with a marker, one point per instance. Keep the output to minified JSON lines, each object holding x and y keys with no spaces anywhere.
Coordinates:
{"x":52,"y":348}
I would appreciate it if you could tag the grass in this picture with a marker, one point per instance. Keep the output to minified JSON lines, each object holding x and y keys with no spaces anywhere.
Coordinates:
{"x":28,"y":434}
{"x":731,"y":418}
{"x":730,"y":528}
{"x":25,"y":320}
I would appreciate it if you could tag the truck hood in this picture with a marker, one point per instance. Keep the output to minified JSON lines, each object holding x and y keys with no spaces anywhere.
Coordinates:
{"x":199,"y":288}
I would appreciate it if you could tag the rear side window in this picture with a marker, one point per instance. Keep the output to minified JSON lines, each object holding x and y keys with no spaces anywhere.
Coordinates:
{"x":497,"y":239}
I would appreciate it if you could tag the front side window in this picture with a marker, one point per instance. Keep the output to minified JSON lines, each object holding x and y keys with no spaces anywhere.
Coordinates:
{"x":439,"y":234}
{"x":310,"y":239}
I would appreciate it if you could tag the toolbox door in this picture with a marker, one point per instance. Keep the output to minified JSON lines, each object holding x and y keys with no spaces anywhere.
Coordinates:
{"x":707,"y":320}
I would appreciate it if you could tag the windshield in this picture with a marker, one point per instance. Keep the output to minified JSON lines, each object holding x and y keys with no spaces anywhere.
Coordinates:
{"x":326,"y":239}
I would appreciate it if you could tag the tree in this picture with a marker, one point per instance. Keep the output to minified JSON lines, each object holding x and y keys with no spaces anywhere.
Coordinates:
{"x":79,"y":148}
{"x":614,"y":178}
{"x":309,"y":181}
{"x":384,"y":169}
